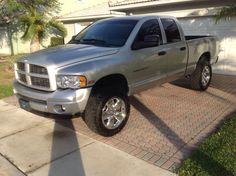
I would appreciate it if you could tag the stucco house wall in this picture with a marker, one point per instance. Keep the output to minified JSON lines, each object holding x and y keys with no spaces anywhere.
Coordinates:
{"x":74,"y":28}
{"x":4,"y":42}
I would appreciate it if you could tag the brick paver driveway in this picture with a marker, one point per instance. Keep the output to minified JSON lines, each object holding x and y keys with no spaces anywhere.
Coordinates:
{"x":168,"y":122}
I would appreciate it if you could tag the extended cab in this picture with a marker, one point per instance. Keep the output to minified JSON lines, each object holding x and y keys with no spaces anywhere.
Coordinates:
{"x":108,"y":61}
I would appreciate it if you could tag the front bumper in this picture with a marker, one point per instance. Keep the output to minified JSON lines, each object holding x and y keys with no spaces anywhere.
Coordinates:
{"x":58,"y":102}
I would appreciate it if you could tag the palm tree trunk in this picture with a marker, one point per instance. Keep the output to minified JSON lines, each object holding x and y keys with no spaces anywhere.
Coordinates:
{"x":34,"y":45}
{"x":9,"y":33}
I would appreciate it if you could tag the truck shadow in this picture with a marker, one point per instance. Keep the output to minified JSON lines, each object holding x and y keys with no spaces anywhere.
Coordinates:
{"x":224,"y":83}
{"x":65,"y":147}
{"x":62,"y":139}
{"x":183,"y":82}
{"x":175,"y":139}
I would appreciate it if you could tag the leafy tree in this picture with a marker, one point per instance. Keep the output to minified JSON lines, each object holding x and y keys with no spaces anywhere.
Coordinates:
{"x":9,"y":12}
{"x":226,"y":13}
{"x":37,"y":26}
{"x":34,"y":18}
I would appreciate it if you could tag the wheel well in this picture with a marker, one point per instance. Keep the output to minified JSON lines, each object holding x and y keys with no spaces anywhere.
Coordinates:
{"x":118,"y":80}
{"x":205,"y":56}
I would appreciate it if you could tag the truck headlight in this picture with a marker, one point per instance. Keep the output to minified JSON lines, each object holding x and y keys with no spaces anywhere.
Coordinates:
{"x":71,"y":81}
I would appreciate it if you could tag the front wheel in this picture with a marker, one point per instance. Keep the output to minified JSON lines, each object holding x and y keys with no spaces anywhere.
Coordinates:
{"x":201,"y":78}
{"x":107,"y":112}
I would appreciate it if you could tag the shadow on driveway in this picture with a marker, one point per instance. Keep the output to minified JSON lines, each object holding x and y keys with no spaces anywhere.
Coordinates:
{"x":62,"y":139}
{"x":161,"y":126}
{"x":73,"y":169}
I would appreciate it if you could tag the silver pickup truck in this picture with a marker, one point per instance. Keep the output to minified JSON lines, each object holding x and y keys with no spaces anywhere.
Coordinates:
{"x":108,"y":61}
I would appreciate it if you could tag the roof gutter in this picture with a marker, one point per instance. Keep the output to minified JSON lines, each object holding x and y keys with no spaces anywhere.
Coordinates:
{"x":145,"y":4}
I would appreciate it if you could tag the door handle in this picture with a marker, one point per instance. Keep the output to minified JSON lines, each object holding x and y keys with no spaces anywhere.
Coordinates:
{"x":182,"y":48}
{"x":161,"y":53}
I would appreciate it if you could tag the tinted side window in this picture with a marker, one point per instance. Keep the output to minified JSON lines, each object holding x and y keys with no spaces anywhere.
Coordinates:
{"x":171,"y":30}
{"x":150,"y":27}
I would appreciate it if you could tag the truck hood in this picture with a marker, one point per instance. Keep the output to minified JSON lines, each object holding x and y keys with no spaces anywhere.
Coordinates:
{"x":67,"y":54}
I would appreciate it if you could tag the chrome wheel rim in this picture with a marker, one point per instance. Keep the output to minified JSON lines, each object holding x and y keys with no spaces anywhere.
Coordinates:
{"x":206,"y":75}
{"x":113,"y":113}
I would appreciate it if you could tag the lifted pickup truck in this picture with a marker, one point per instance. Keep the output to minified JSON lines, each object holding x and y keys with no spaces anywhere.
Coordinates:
{"x":108,"y":61}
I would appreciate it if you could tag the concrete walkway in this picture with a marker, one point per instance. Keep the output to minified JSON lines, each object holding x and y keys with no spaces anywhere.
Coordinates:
{"x":37,"y":146}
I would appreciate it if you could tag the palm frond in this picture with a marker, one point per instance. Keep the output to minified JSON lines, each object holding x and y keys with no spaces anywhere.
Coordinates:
{"x":26,"y":20}
{"x":42,"y":35}
{"x":37,"y":23}
{"x":27,"y":24}
{"x":226,"y":13}
{"x":29,"y":32}
{"x":58,"y":26}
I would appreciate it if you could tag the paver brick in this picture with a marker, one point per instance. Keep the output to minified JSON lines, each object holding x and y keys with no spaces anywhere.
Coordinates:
{"x":161,"y":161}
{"x":147,"y":156}
{"x":166,"y":123}
{"x":167,"y":164}
{"x":155,"y":158}
{"x":136,"y":151}
{"x":141,"y":154}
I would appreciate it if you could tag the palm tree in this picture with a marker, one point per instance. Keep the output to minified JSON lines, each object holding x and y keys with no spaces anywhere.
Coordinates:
{"x":226,"y":13}
{"x":37,"y":26}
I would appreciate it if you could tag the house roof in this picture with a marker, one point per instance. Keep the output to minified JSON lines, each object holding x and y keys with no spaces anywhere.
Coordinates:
{"x":135,"y":17}
{"x":134,"y":6}
{"x":116,"y":3}
{"x":91,"y":13}
{"x":125,"y":2}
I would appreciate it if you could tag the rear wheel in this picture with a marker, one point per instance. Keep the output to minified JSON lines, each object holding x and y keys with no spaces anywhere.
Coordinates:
{"x":107,"y":112}
{"x":201,"y":78}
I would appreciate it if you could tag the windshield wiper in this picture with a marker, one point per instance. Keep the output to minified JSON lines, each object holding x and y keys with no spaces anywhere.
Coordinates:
{"x":88,"y":41}
{"x":92,"y":42}
{"x":95,"y":41}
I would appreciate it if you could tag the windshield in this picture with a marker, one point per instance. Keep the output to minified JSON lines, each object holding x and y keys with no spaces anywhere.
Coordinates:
{"x":109,"y":33}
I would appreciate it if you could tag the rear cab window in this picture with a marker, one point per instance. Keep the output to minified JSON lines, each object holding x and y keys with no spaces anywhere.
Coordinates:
{"x":171,"y":30}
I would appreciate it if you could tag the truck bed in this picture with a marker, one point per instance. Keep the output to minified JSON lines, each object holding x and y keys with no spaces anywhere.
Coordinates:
{"x":192,"y":37}
{"x":199,"y":44}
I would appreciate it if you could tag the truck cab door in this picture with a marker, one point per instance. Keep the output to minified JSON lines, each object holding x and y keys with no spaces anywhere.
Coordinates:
{"x":149,"y":62}
{"x":177,"y":49}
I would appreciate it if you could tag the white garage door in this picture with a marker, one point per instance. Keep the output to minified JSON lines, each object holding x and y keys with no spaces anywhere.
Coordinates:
{"x":225,"y":30}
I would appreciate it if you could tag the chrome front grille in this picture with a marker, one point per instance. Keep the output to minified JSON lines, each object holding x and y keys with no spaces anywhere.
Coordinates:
{"x":40,"y":82}
{"x":22,"y":77}
{"x":38,"y":69}
{"x":33,"y":76}
{"x":21,"y":66}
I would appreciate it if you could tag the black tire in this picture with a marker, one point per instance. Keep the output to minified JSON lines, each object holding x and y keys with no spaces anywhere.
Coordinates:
{"x":93,"y":111}
{"x":197,"y":78}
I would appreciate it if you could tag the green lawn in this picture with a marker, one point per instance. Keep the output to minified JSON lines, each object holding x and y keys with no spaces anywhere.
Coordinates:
{"x":7,"y":75}
{"x":216,"y":156}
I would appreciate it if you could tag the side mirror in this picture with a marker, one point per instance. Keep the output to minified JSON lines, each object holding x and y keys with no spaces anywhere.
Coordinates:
{"x":148,"y":41}
{"x":72,"y":40}
{"x":73,"y":37}
{"x":152,"y":40}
